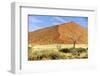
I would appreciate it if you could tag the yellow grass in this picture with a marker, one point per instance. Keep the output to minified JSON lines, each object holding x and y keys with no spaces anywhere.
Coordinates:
{"x":51,"y":51}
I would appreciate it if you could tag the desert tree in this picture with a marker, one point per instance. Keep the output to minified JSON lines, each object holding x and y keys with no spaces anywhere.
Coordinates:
{"x":75,"y":32}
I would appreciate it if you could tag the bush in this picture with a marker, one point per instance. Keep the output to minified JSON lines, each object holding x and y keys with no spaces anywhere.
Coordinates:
{"x":54,"y":56}
{"x":58,"y":46}
{"x":45,"y":55}
{"x":86,"y":48}
{"x":65,"y":50}
{"x":63,"y":53}
{"x":80,"y":50}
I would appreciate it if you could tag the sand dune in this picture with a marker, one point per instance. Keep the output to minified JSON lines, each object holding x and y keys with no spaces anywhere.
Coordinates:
{"x":59,"y":34}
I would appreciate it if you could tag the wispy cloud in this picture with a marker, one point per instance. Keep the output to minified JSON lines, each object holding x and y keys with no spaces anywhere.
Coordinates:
{"x":33,"y":27}
{"x":59,"y":19}
{"x":38,"y":22}
{"x":34,"y":20}
{"x":55,"y":23}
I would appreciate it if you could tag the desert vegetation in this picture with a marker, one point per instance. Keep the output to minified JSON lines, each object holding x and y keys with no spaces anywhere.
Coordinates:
{"x":57,"y":51}
{"x":63,"y":41}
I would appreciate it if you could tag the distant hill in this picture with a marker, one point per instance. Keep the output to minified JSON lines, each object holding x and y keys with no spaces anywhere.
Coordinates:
{"x":64,"y":34}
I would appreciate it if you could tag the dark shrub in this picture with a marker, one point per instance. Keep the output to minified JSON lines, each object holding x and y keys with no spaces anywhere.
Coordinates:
{"x":73,"y":51}
{"x":55,"y":56}
{"x":65,"y":50}
{"x":77,"y":51}
{"x":80,"y":50}
{"x":29,"y":48}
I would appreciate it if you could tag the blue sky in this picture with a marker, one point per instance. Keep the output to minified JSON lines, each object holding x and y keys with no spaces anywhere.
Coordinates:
{"x":37,"y":22}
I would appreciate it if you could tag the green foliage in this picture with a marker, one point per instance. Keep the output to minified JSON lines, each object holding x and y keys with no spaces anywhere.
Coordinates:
{"x":70,"y":50}
{"x":65,"y":50}
{"x":80,"y":50}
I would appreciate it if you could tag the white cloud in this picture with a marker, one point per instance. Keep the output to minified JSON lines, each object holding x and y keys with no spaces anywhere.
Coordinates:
{"x":59,"y":19}
{"x":55,"y":23}
{"x":34,"y":28}
{"x":35,"y":20}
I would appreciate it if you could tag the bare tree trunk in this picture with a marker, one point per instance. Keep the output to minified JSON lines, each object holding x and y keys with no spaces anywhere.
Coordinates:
{"x":74,"y":44}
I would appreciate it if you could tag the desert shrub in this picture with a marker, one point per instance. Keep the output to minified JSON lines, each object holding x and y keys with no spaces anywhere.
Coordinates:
{"x":73,"y":51}
{"x":80,"y":50}
{"x":62,"y":53}
{"x":29,"y":48}
{"x":51,"y":54}
{"x":58,"y":46}
{"x":54,"y":56}
{"x":65,"y":50}
{"x":45,"y":54}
